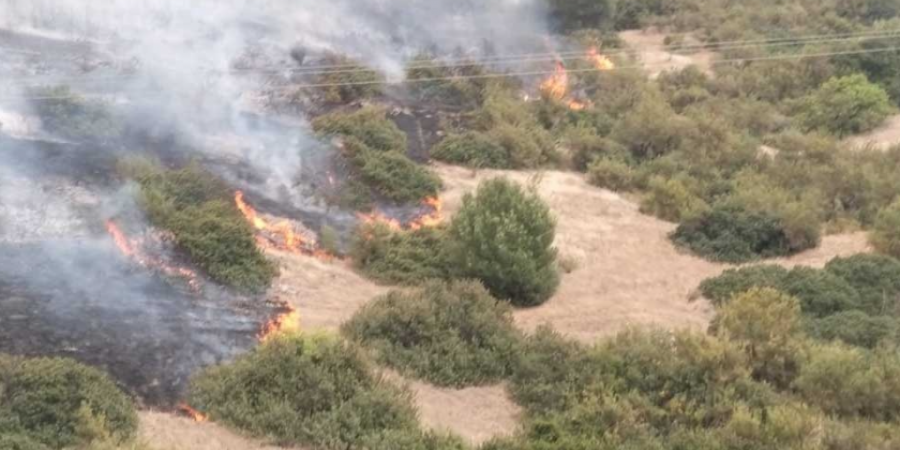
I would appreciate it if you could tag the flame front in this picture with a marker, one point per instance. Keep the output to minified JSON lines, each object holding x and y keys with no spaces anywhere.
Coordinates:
{"x":131,"y":248}
{"x":192,"y":413}
{"x":432,"y":219}
{"x":290,"y":241}
{"x":285,"y":323}
{"x":557,"y":86}
{"x":600,"y":62}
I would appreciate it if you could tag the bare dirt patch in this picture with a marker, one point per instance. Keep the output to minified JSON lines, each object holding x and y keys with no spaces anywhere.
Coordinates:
{"x":476,"y":414}
{"x":326,"y":293}
{"x":652,"y":54}
{"x":627,"y":272}
{"x":881,"y":138}
{"x":163,"y":431}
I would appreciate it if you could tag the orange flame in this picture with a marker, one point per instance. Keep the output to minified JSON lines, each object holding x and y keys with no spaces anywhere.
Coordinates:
{"x":576,"y":105}
{"x":601,"y":62}
{"x":290,"y":240}
{"x":377,"y":217}
{"x":285,"y":323}
{"x":192,"y":413}
{"x":249,"y":212}
{"x":132,"y":250}
{"x":557,"y":86}
{"x":432,"y":219}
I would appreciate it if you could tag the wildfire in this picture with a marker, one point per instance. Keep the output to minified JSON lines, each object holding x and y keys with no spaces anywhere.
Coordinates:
{"x":285,"y":323}
{"x":601,"y":62}
{"x":192,"y":413}
{"x":557,"y":86}
{"x":377,"y":217}
{"x":576,"y":105}
{"x":131,"y":248}
{"x":288,"y":239}
{"x":434,"y":218}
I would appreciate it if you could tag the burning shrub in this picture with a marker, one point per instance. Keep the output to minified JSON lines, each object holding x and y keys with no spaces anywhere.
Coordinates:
{"x":400,"y":257}
{"x":451,"y":334}
{"x":348,"y":82}
{"x":305,"y":390}
{"x":503,"y":236}
{"x":472,"y":149}
{"x":198,"y":209}
{"x":732,"y":234}
{"x":60,"y":403}
{"x":74,"y":117}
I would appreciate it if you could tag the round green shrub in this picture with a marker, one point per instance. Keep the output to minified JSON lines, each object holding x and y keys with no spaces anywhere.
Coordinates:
{"x":304,"y":390}
{"x":400,"y":257}
{"x":820,"y":292}
{"x":731,"y":234}
{"x":471,"y":149}
{"x":451,"y":334}
{"x":846,"y":105}
{"x":53,"y":401}
{"x":503,"y":236}
{"x":854,"y":328}
{"x":611,"y":174}
{"x":391,"y":174}
{"x":875,"y":277}
{"x":722,"y":288}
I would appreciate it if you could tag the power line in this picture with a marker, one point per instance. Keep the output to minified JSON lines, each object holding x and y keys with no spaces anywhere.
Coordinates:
{"x":531,"y":73}
{"x":547,"y":57}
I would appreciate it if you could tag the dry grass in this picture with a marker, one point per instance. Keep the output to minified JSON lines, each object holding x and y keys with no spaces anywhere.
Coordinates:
{"x":168,"y":432}
{"x":650,"y":49}
{"x":881,"y":138}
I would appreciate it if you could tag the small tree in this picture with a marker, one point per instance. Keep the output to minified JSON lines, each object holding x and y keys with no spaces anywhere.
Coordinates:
{"x":765,"y":323}
{"x":503,"y":236}
{"x":845,"y":106}
{"x":885,"y":236}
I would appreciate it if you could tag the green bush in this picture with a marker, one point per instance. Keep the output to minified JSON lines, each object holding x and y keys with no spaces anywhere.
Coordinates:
{"x":74,"y":117}
{"x":60,"y":403}
{"x":471,"y":149}
{"x":765,"y":323}
{"x":450,"y":334}
{"x":412,"y":440}
{"x":401,"y":257}
{"x":19,"y":442}
{"x":349,"y":82}
{"x":199,"y":210}
{"x":845,"y":105}
{"x":852,"y":382}
{"x":503,"y":236}
{"x":820,"y":292}
{"x":855,"y":328}
{"x":722,"y":288}
{"x":730,"y":234}
{"x":586,"y":146}
{"x":460,"y":84}
{"x":875,"y":277}
{"x":369,"y":125}
{"x":509,"y":122}
{"x":391,"y":174}
{"x":304,"y":390}
{"x":672,"y":200}
{"x":885,"y":236}
{"x":611,"y":174}
{"x":573,"y":15}
{"x":651,"y":129}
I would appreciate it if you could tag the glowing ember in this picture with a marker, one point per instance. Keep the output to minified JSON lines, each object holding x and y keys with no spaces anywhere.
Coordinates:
{"x":192,"y":413}
{"x":131,"y":248}
{"x":601,"y":62}
{"x":249,"y":212}
{"x":377,"y":217}
{"x":557,"y":86}
{"x":285,"y":323}
{"x":575,"y":105}
{"x":430,"y":220}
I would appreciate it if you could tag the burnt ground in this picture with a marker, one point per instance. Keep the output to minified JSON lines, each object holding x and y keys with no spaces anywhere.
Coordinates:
{"x":82,"y":300}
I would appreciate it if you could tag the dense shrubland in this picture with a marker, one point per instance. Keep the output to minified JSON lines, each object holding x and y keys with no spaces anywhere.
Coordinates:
{"x":451,"y":334}
{"x":348,"y":81}
{"x":50,"y":403}
{"x":199,"y":210}
{"x":501,"y":236}
{"x":375,"y":150}
{"x":313,"y":390}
